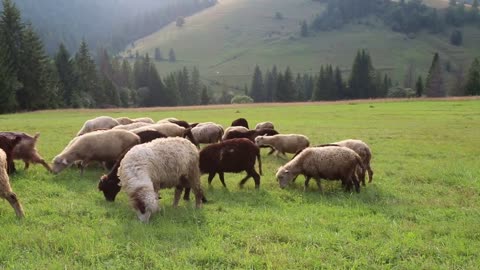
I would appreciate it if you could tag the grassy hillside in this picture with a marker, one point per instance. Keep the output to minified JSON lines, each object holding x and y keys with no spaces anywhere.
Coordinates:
{"x":421,"y":211}
{"x":226,"y":42}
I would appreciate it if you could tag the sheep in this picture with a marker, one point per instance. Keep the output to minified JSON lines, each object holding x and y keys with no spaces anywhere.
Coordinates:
{"x":250,"y":134}
{"x":208,"y":133}
{"x":7,"y":144}
{"x":26,"y":149}
{"x":109,"y":183}
{"x":242,"y":122}
{"x":160,"y":164}
{"x":124,"y":120}
{"x":329,"y":162}
{"x":171,"y":130}
{"x":100,"y":146}
{"x":362,"y":149}
{"x":181,"y":123}
{"x":132,"y":126}
{"x":147,"y":120}
{"x":284,"y":143}
{"x":236,"y":128}
{"x":101,"y":122}
{"x":166,"y":120}
{"x":234,"y":156}
{"x":5,"y":188}
{"x":264,"y":125}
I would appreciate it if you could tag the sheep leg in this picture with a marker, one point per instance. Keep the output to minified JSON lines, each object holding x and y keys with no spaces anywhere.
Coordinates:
{"x":210,"y":177}
{"x":38,"y":159}
{"x":271,"y":150}
{"x":370,"y":173}
{"x":199,"y":197}
{"x":13,"y":200}
{"x":356,"y":183}
{"x":222,"y":179}
{"x":186,"y":194}
{"x":178,"y":194}
{"x":361,"y":175}
{"x":307,"y":180}
{"x":318,"y":184}
{"x":11,"y":167}
{"x":27,"y":164}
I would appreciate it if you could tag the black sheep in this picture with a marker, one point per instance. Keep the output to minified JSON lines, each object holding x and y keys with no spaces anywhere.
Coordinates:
{"x":251,"y":134}
{"x":180,"y":123}
{"x":235,"y":155}
{"x":242,"y":122}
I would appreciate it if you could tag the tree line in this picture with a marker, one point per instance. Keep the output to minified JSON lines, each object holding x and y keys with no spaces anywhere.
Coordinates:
{"x":402,"y":16}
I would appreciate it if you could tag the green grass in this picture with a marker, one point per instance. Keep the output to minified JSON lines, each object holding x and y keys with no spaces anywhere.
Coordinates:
{"x":421,"y":211}
{"x":228,"y":40}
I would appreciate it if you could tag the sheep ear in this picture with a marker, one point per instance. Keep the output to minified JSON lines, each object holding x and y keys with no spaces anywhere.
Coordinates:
{"x":64,"y":161}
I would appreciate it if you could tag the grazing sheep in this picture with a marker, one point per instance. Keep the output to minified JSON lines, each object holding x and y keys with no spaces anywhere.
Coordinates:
{"x":284,"y":143}
{"x":5,"y":188}
{"x":234,"y":156}
{"x":242,"y":122}
{"x":160,"y":164}
{"x":171,"y":130}
{"x":264,"y":125}
{"x":109,"y":183}
{"x":250,"y":134}
{"x":236,"y":128}
{"x":181,"y":123}
{"x":102,"y":122}
{"x":362,"y":149}
{"x":329,"y":162}
{"x":132,"y":126}
{"x":26,"y":150}
{"x":7,"y":144}
{"x":124,"y":120}
{"x":100,"y":146}
{"x":147,"y":120}
{"x":167,"y":120}
{"x":207,"y":133}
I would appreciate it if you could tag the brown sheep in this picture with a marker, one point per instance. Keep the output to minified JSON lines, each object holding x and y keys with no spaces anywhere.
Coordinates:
{"x":26,"y":150}
{"x":5,"y":188}
{"x":242,"y":122}
{"x":234,"y":156}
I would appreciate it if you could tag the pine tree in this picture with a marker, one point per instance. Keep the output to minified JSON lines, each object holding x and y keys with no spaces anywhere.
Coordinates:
{"x":435,"y":87}
{"x":339,"y":84}
{"x":205,"y":99}
{"x":66,"y":75}
{"x":158,"y":55}
{"x":269,"y":84}
{"x":299,"y":88}
{"x":419,"y":87}
{"x":321,"y":85}
{"x":472,"y":87}
{"x":33,"y":73}
{"x":126,"y":74}
{"x":361,"y":82}
{"x":171,"y":56}
{"x":286,"y":88}
{"x":257,"y":88}
{"x":156,"y":88}
{"x":195,"y":87}
{"x":11,"y":34}
{"x":89,"y":93}
{"x":8,"y":85}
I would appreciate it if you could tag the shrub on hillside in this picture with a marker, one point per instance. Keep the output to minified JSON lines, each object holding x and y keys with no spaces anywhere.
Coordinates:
{"x":241,"y":99}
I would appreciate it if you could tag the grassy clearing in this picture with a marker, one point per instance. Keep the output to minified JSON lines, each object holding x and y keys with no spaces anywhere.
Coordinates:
{"x":228,"y":40}
{"x":420,"y":212}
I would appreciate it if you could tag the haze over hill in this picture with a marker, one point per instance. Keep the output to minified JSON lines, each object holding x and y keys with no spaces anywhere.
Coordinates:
{"x":228,"y":40}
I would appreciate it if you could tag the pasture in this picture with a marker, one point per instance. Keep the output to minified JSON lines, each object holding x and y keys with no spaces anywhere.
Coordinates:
{"x":421,"y":211}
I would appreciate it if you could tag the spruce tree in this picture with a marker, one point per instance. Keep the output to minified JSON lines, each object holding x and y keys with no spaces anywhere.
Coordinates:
{"x":8,"y":85}
{"x":195,"y":86}
{"x":339,"y":84}
{"x":205,"y":99}
{"x":257,"y":88}
{"x":126,"y":74}
{"x":435,"y":87}
{"x":269,"y":84}
{"x":171,"y":56}
{"x":361,"y":82}
{"x":472,"y":87}
{"x":66,"y":75}
{"x":321,"y":85}
{"x":419,"y":87}
{"x":89,"y":93}
{"x":11,"y":34}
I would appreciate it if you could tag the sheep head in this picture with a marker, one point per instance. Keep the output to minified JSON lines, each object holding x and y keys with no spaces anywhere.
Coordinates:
{"x":110,"y":188}
{"x":285,"y":176}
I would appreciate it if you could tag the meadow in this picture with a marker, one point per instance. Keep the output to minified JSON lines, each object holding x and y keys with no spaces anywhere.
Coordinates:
{"x":421,"y":211}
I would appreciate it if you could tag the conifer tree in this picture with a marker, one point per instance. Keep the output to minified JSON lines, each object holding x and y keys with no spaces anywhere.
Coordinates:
{"x":434,"y":86}
{"x":205,"y":99}
{"x":419,"y":87}
{"x":171,"y":56}
{"x":66,"y":75}
{"x":473,"y":81}
{"x":89,"y":91}
{"x":8,"y":85}
{"x":257,"y":88}
{"x":195,"y":87}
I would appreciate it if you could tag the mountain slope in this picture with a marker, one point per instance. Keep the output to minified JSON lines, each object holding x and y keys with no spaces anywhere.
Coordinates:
{"x":228,"y":40}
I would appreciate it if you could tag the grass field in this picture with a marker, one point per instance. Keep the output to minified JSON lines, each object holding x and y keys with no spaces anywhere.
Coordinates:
{"x":226,"y":42}
{"x":421,"y":211}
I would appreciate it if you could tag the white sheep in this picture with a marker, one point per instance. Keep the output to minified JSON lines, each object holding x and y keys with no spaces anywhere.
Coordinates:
{"x":147,"y":120}
{"x":132,"y":126}
{"x":5,"y":188}
{"x":329,"y":162}
{"x":101,"y":122}
{"x":170,"y":130}
{"x":362,"y":149}
{"x":284,"y":143}
{"x":160,"y":164}
{"x":207,"y":133}
{"x":233,"y":128}
{"x":124,"y":120}
{"x":167,"y":120}
{"x":264,"y":125}
{"x":104,"y":145}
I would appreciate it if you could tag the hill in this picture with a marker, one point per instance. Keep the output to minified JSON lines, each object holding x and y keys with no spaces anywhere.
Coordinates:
{"x":228,"y":40}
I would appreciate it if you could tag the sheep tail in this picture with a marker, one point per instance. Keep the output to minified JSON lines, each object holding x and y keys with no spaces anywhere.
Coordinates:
{"x":259,"y":163}
{"x":360,"y":162}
